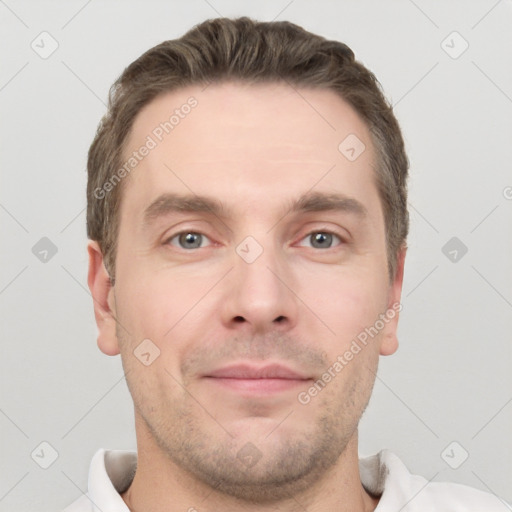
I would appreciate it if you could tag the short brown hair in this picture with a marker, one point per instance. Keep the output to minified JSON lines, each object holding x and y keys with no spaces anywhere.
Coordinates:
{"x":245,"y":50}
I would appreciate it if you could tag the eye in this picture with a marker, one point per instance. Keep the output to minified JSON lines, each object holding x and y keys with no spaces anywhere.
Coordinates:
{"x":320,"y":239}
{"x":189,"y":240}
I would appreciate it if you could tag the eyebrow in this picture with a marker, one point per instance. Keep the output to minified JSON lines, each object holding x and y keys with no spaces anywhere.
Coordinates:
{"x":175,"y":203}
{"x":309,"y":202}
{"x":320,"y":201}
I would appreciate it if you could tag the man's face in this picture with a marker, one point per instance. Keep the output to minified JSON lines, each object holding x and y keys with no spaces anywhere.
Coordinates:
{"x":252,"y":301}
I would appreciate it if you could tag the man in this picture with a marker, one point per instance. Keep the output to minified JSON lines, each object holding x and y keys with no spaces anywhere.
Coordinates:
{"x":247,"y":210}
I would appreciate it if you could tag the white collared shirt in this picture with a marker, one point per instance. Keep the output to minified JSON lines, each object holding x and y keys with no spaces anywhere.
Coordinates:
{"x":384,"y":474}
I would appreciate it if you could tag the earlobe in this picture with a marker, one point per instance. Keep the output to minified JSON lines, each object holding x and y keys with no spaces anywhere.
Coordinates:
{"x":102,"y":294}
{"x":389,"y":342}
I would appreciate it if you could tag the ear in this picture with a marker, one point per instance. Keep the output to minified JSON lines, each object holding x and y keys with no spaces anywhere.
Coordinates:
{"x":389,"y":343}
{"x":103,"y":299}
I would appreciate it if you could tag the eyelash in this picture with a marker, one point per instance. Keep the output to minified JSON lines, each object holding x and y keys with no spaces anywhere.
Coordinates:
{"x":324,"y":231}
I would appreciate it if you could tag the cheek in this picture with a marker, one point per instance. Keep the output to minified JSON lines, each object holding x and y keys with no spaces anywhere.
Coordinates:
{"x":166,"y":307}
{"x":347,"y":301}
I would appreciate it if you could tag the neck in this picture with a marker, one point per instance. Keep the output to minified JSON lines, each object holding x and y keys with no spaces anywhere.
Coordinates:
{"x":160,"y":485}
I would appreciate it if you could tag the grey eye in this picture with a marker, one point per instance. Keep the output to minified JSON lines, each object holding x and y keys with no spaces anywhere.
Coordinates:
{"x":321,"y":240}
{"x":188,"y":240}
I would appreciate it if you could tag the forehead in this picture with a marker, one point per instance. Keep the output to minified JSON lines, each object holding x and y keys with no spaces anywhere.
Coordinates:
{"x":249,"y":143}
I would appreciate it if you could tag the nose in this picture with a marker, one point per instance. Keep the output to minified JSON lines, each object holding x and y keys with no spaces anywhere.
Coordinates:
{"x":260,"y":295}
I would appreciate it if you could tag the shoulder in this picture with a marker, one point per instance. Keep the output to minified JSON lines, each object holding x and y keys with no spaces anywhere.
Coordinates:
{"x":110,"y":473}
{"x":404,"y":491}
{"x":447,"y":496}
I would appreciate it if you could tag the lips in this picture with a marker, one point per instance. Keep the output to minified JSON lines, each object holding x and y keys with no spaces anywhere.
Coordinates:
{"x":244,"y":371}
{"x":256,"y":380}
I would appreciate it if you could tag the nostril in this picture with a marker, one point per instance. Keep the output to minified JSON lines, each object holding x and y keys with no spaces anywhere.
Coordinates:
{"x":239,"y":319}
{"x":280,"y":319}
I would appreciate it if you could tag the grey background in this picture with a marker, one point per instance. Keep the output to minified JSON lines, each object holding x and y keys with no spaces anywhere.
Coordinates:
{"x":449,"y":381}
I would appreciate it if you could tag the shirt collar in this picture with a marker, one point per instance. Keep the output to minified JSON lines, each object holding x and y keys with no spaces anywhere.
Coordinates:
{"x":110,"y":474}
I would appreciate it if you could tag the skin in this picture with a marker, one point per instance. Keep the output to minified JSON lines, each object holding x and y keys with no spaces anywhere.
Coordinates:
{"x":256,"y":149}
